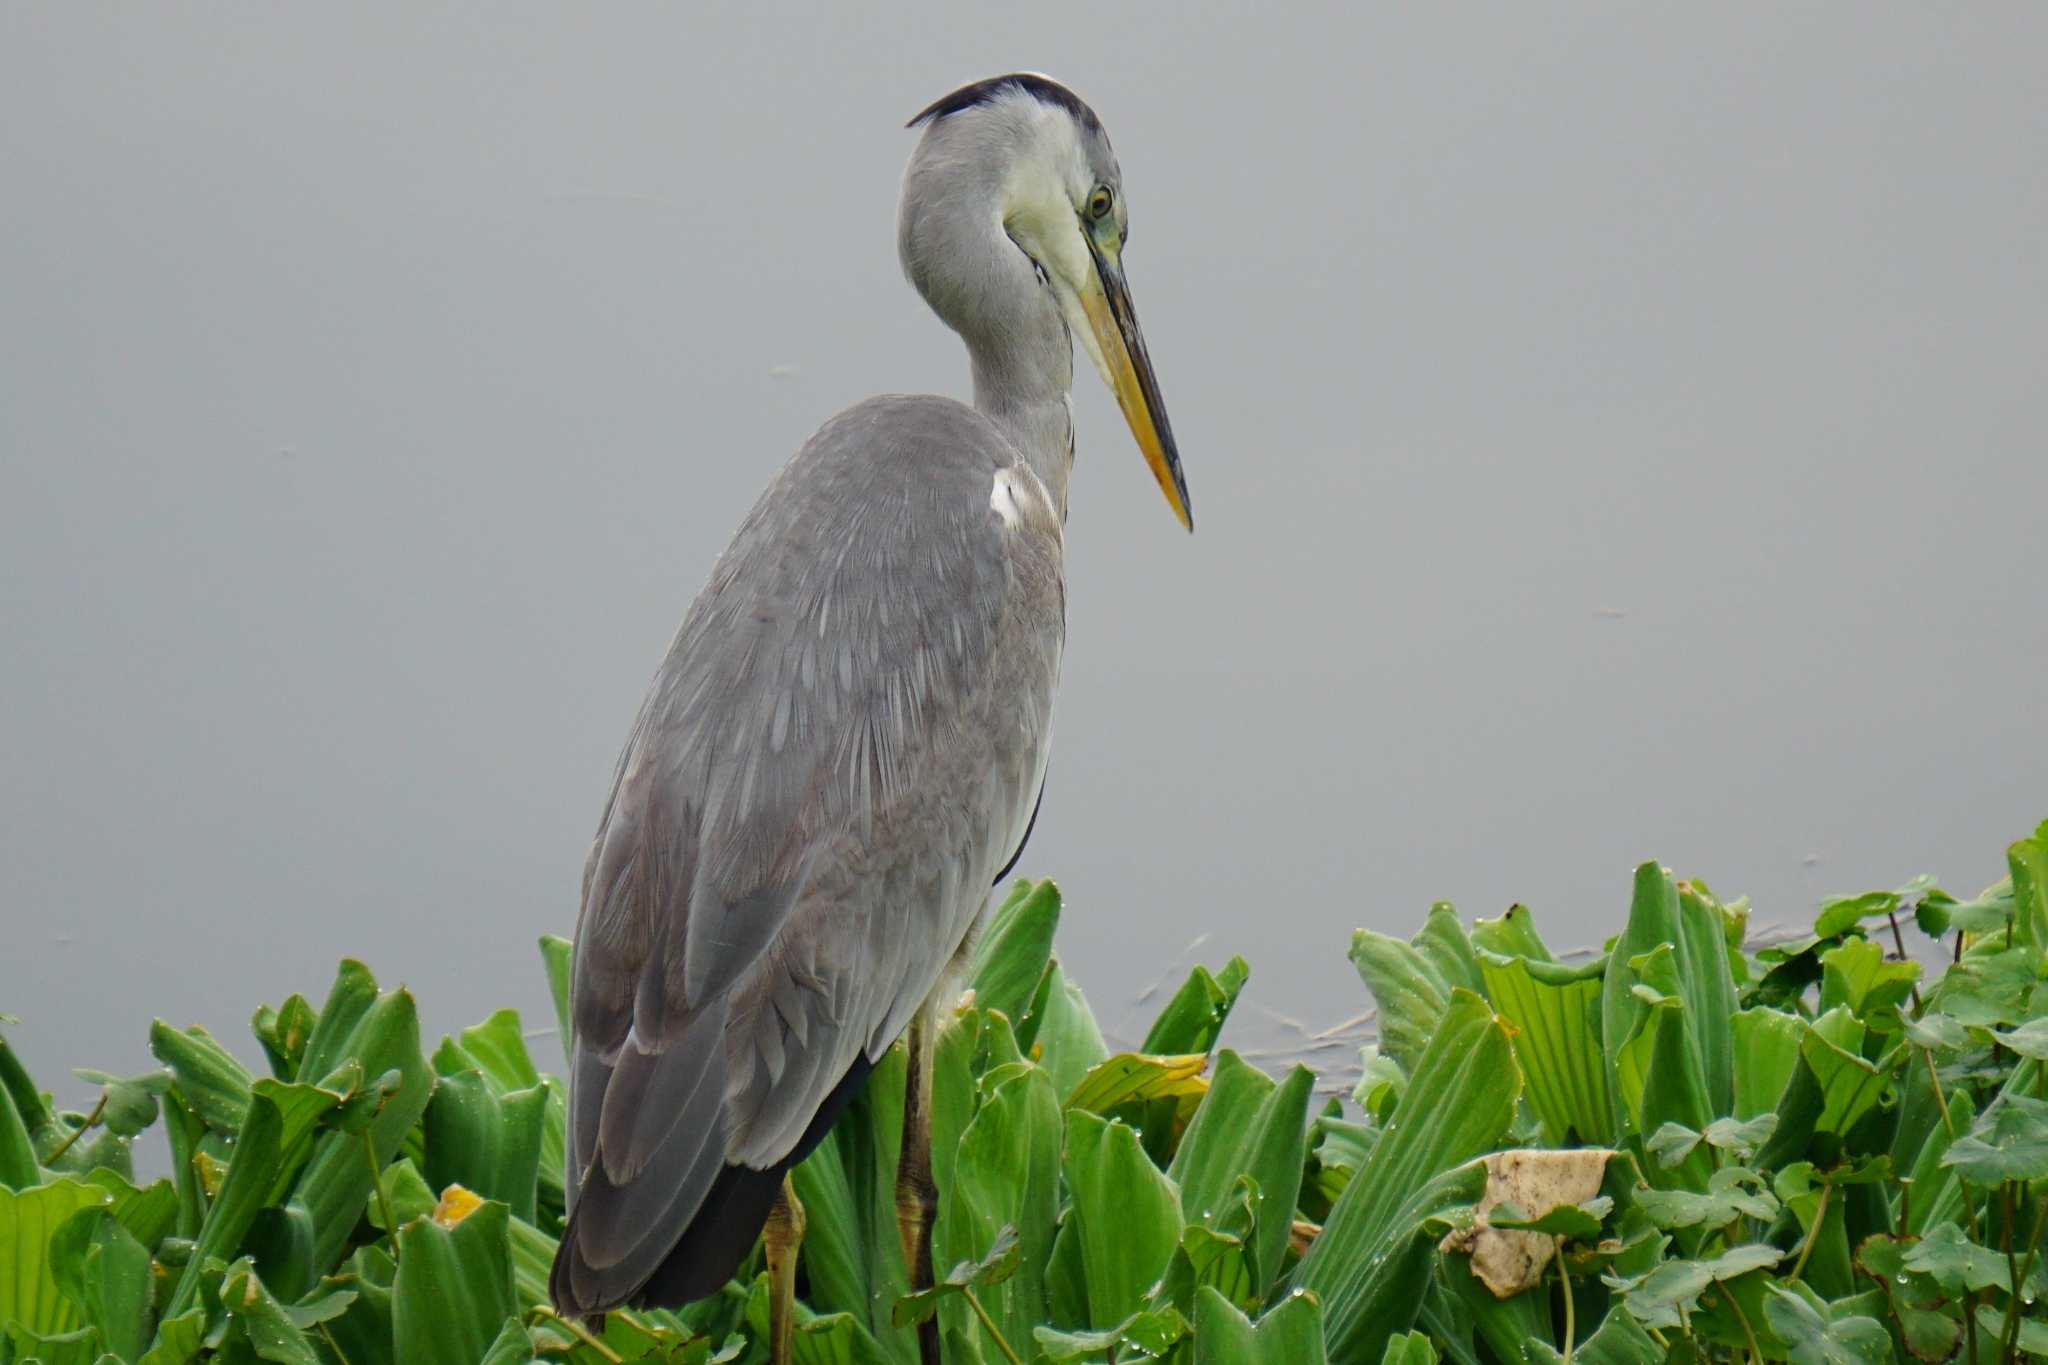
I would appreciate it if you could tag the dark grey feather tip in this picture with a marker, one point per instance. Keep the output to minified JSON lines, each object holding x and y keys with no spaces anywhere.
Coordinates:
{"x":1042,"y":88}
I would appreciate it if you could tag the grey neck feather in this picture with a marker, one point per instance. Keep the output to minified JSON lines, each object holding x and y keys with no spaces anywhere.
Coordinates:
{"x":982,"y":285}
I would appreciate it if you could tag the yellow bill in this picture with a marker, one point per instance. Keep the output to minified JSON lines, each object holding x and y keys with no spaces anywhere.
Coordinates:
{"x":1107,"y":301}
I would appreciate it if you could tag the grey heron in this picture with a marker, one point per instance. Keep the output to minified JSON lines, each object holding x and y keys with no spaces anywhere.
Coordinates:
{"x":844,"y":747}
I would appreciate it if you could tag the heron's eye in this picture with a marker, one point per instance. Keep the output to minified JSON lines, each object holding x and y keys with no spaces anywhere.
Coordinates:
{"x":1101,"y":202}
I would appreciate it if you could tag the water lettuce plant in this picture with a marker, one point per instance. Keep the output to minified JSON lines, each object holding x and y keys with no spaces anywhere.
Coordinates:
{"x":1685,"y":1148}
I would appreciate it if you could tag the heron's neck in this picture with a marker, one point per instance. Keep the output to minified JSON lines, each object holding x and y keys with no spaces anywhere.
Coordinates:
{"x":1021,"y":380}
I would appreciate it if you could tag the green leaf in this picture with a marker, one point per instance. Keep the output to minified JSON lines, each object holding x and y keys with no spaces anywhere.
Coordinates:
{"x":1247,"y":1126}
{"x":271,"y":1331}
{"x":1838,"y":914}
{"x":178,"y":1340}
{"x":18,"y":1166}
{"x":1766,"y":1046}
{"x":1915,"y":1298}
{"x":1291,"y":1334}
{"x":1151,"y":1333}
{"x":2028,"y":861}
{"x":127,"y":1105}
{"x":1578,"y":1221}
{"x":284,"y":1033}
{"x":852,"y":1254}
{"x":1850,"y":1085}
{"x":1125,"y":1218}
{"x":408,"y":1194}
{"x":1940,"y":1032}
{"x":1556,"y":1014}
{"x":1444,"y":943}
{"x":485,"y":1139}
{"x":1663,"y":1296}
{"x":1016,"y":949}
{"x":1732,"y":1191}
{"x":2033,"y":1333}
{"x":1662,"y":912}
{"x":514,"y":1346}
{"x":1512,"y":935}
{"x":1816,"y":1340}
{"x":556,"y":953}
{"x":1410,"y":1348}
{"x":209,"y":1080}
{"x":453,"y":1290}
{"x":29,"y":1220}
{"x":1856,"y":975}
{"x":1193,"y":1019}
{"x":1619,"y":1340}
{"x":2010,"y":1142}
{"x":1411,"y":993}
{"x":1370,"y":1264}
{"x":1956,"y":1263}
{"x":1064,"y":1036}
{"x":104,"y":1271}
{"x":81,"y":1347}
{"x":995,"y":1265}
{"x":379,"y":1033}
{"x":2028,"y":1040}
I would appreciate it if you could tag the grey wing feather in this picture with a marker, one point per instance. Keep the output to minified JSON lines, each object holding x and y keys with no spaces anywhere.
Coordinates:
{"x":832,"y":659}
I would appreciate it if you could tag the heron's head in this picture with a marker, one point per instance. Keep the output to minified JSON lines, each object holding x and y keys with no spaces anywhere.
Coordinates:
{"x":1025,"y":151}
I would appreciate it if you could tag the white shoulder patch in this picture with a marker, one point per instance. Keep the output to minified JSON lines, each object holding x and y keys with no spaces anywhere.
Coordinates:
{"x":1002,"y":499}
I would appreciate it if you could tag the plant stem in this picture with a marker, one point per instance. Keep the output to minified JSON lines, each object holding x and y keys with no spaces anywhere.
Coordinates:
{"x":988,"y":1324}
{"x":1820,"y":1214}
{"x":1900,"y":940}
{"x":578,"y":1330}
{"x":1570,"y":1319}
{"x":91,"y":1120}
{"x":1756,"y":1352}
{"x":2011,"y":1336}
{"x":377,"y":1184}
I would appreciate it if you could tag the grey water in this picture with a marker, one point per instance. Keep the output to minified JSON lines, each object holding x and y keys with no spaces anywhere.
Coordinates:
{"x":1614,"y":434}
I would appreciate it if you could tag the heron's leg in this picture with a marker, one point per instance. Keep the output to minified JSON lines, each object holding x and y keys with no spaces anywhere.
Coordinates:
{"x":917,"y":1198}
{"x":781,"y":1237}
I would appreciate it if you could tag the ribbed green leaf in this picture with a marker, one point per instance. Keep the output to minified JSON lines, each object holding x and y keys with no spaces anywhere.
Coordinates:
{"x":1007,"y":1175}
{"x":1674,"y":1091}
{"x":104,"y":1271}
{"x":1459,"y":1104}
{"x":270,"y":1328}
{"x":1662,"y":912}
{"x":1011,"y":958}
{"x":852,"y":1253}
{"x":1556,"y":1014}
{"x":1409,"y":1348}
{"x":29,"y":1219}
{"x":363,"y":1332}
{"x":210,"y":1081}
{"x":382,"y":1036}
{"x":1193,"y":1019}
{"x":1125,"y":1219}
{"x":178,"y":1341}
{"x":2028,"y":861}
{"x":1247,"y":1125}
{"x":1291,"y":1334}
{"x":1832,"y":1047}
{"x":453,"y":1290}
{"x":284,"y":1033}
{"x":1766,"y":1054}
{"x":18,"y":1168}
{"x":1512,"y":935}
{"x":487,"y":1141}
{"x":556,"y":953}
{"x":1409,"y":990}
{"x":1064,"y":1037}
